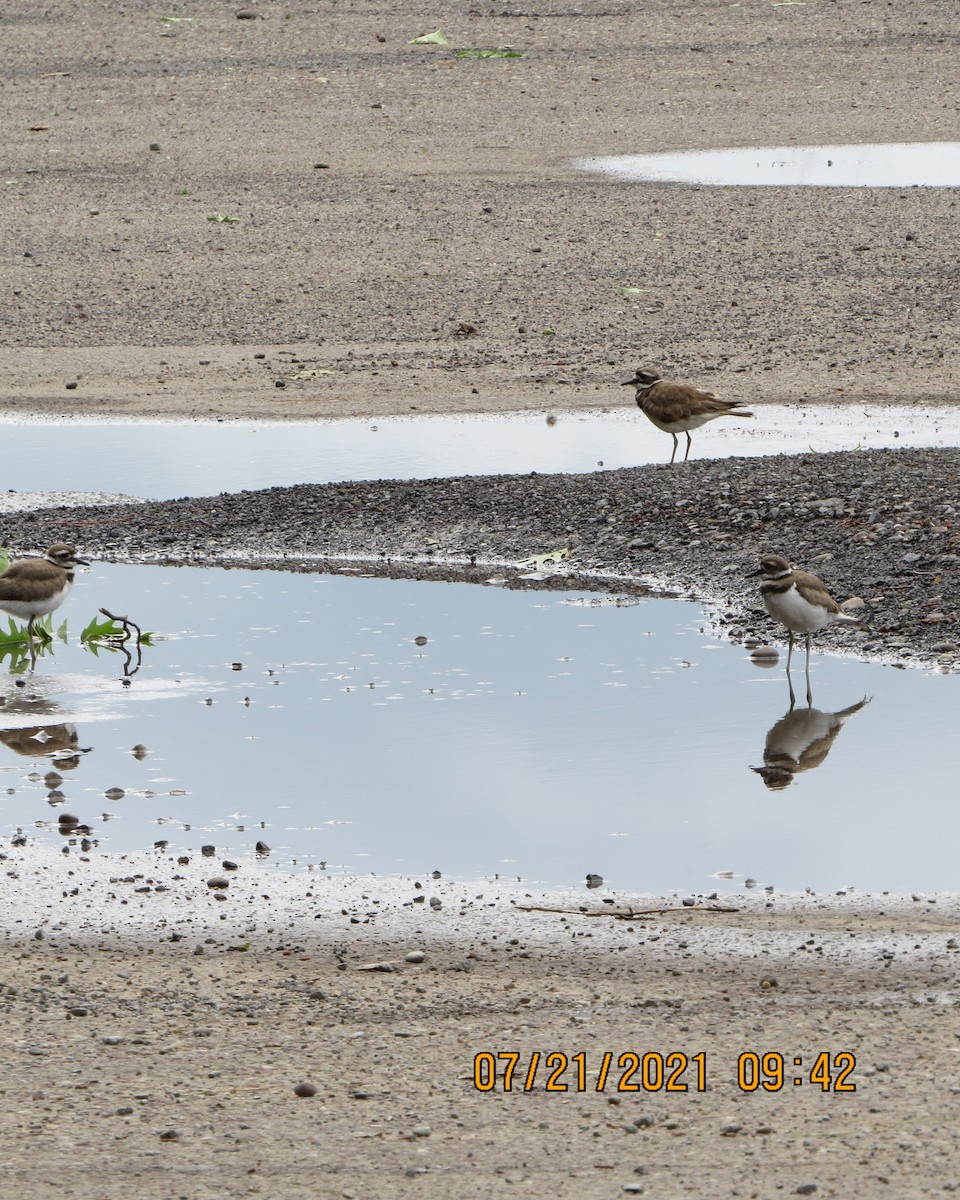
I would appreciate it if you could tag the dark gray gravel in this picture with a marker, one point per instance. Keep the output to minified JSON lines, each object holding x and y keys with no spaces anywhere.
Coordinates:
{"x":881,"y":525}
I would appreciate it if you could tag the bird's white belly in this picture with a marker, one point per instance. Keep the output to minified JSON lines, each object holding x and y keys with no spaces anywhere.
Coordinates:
{"x":684,"y":425}
{"x":25,"y":609}
{"x":790,"y":609}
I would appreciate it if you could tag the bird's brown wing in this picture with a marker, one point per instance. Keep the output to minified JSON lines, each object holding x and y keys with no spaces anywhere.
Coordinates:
{"x":817,"y":592}
{"x":677,"y":401}
{"x":27,"y":570}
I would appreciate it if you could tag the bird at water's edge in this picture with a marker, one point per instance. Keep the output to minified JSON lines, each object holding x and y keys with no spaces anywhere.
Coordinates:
{"x":34,"y":587}
{"x":679,"y":407}
{"x":799,"y":601}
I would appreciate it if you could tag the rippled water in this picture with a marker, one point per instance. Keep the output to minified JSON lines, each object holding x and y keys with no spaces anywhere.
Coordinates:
{"x":535,"y":735}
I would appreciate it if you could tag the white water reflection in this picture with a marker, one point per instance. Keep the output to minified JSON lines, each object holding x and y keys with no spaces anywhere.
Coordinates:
{"x":534,"y":735}
{"x":896,"y":164}
{"x":166,"y":460}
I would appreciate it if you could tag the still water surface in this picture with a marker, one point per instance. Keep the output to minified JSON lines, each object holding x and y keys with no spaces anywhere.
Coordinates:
{"x":887,"y":164}
{"x":534,"y":735}
{"x":163,"y":461}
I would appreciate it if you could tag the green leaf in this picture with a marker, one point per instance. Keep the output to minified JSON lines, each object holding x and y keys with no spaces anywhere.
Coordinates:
{"x":223,"y":219}
{"x":488,"y":54}
{"x":429,"y":39}
{"x":110,"y":635}
{"x":634,"y":291}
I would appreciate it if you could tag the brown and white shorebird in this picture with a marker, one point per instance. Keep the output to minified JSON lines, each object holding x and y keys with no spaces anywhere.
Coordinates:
{"x":800,"y":601}
{"x":34,"y":587}
{"x":678,"y":407}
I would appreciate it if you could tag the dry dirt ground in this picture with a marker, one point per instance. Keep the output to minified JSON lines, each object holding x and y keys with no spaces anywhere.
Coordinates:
{"x":404,"y":233}
{"x":383,"y":194}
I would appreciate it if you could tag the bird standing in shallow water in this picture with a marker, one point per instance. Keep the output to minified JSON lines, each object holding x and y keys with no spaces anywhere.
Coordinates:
{"x":798,"y":600}
{"x":33,"y":587}
{"x":678,"y":407}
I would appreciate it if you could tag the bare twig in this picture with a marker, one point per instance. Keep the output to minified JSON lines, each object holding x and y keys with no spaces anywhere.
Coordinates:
{"x":629,"y":914}
{"x":122,"y":640}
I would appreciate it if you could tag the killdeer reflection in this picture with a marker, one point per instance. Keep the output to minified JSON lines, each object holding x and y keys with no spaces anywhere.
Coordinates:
{"x":678,"y":407}
{"x":33,"y":587}
{"x":799,"y":601}
{"x":800,"y":741}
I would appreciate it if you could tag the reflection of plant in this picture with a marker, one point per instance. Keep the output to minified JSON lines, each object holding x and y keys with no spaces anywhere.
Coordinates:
{"x":110,"y":634}
{"x":113,"y":634}
{"x":16,"y":645}
{"x":23,"y":651}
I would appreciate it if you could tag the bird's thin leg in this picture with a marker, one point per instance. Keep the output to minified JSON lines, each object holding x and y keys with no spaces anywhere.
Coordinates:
{"x":793,"y":698}
{"x":689,"y":444}
{"x":675,"y":445}
{"x":809,"y":688}
{"x":30,"y":630}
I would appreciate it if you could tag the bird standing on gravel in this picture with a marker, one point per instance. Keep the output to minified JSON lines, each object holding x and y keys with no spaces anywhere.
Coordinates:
{"x":801,"y":602}
{"x":678,"y":407}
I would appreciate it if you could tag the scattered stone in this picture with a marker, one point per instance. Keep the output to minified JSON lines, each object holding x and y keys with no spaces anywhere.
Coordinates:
{"x":218,"y":883}
{"x":305,"y":1089}
{"x":414,"y":956}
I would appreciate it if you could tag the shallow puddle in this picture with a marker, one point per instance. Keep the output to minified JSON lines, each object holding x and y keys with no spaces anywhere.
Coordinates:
{"x":897,"y":164}
{"x":543,"y":736}
{"x":163,"y":461}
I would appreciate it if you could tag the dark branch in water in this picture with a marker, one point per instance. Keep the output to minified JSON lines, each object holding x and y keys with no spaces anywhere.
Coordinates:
{"x":128,"y":631}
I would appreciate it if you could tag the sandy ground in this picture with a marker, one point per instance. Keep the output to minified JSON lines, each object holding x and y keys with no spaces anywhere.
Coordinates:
{"x":409,"y":236}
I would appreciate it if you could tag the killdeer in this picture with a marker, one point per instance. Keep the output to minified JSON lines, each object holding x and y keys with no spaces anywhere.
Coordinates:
{"x":678,"y":407}
{"x":33,"y":587}
{"x":800,"y":741}
{"x":799,"y":601}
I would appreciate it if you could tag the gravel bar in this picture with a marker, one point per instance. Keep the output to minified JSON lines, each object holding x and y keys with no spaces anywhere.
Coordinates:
{"x":878,"y":525}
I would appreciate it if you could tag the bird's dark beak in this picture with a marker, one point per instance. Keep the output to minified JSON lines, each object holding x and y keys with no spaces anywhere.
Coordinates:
{"x":81,"y":562}
{"x":631,"y":382}
{"x":754,"y":574}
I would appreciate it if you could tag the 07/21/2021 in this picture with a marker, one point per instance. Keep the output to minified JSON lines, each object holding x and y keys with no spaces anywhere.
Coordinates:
{"x":675,"y":1071}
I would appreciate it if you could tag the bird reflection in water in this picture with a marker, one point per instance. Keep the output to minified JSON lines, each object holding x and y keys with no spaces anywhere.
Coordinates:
{"x":800,"y":741}
{"x":58,"y":743}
